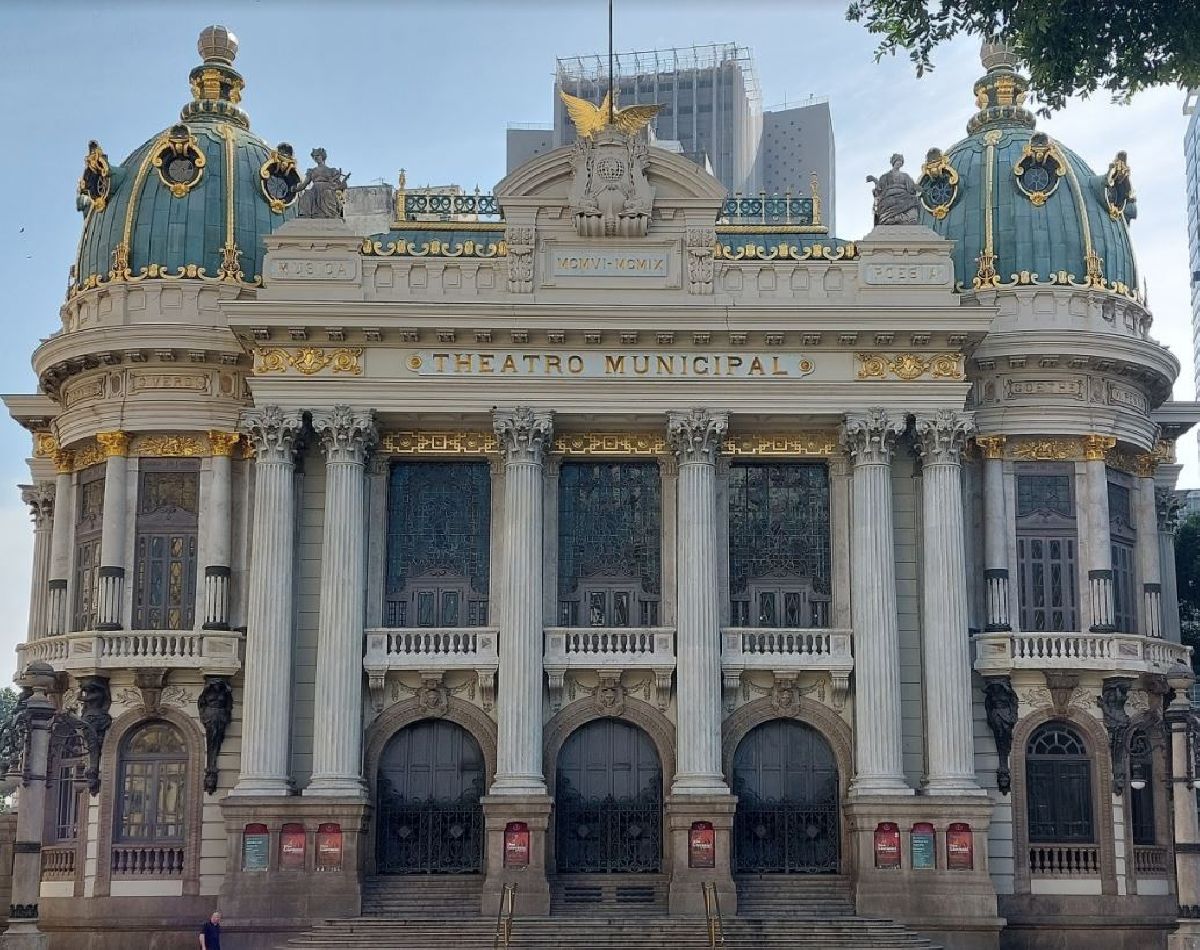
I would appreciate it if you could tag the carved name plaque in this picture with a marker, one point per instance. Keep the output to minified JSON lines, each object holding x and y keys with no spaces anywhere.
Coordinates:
{"x":601,"y":365}
{"x":312,"y":269}
{"x":616,"y":262}
{"x":929,"y":275}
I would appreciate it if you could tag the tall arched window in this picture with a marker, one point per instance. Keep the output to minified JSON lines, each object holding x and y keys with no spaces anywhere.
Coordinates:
{"x":153,"y":785}
{"x":1141,"y":787}
{"x":1058,"y":783}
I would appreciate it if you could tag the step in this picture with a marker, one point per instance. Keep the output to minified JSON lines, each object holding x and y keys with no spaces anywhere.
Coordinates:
{"x":792,"y":895}
{"x":608,"y":894}
{"x":422,"y":895}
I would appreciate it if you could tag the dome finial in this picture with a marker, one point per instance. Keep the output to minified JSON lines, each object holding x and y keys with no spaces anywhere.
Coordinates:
{"x":217,"y":43}
{"x":216,"y":85}
{"x":1000,"y":92}
{"x":997,"y":53}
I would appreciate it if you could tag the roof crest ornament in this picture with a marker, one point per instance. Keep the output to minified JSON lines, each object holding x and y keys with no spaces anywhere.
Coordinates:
{"x":1000,"y":93}
{"x":216,"y":85}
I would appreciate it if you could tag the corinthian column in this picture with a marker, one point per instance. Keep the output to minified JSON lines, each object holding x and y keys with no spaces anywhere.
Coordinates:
{"x":220,"y":530}
{"x":347,"y":435}
{"x":695,"y":437}
{"x":40,"y":499}
{"x":1100,"y":574}
{"x":60,"y":544}
{"x":870,"y":439}
{"x":950,"y":769}
{"x":115,"y":446}
{"x":1149,"y":566}
{"x":267,"y":695}
{"x":995,"y":535}
{"x":524,"y":437}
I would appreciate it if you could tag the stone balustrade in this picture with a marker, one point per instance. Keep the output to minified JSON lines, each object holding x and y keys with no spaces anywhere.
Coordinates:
{"x":432,"y":651}
{"x":611,"y":650}
{"x":1150,"y":860}
{"x":58,"y":863}
{"x":147,"y":861}
{"x":1064,"y":860}
{"x":999,"y":653}
{"x":786,"y":652}
{"x":214,"y":652}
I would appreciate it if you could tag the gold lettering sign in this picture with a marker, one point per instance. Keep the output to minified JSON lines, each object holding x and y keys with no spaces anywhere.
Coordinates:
{"x":610,"y":365}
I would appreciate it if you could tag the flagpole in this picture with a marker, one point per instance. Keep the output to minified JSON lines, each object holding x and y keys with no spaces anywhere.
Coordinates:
{"x":611,"y":96}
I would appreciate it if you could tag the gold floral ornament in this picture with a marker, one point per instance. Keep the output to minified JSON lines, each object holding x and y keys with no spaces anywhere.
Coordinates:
{"x":231,"y":266}
{"x":308,"y":360}
{"x":1039,"y":169}
{"x":910,"y":366}
{"x":278,"y":179}
{"x":938,"y":184}
{"x":180,"y":163}
{"x":95,"y":184}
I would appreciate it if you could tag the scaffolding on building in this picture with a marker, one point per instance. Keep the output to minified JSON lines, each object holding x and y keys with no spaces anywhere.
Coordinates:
{"x":593,"y":68}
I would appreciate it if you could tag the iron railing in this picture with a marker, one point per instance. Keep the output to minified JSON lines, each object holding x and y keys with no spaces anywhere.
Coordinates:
{"x":429,"y":836}
{"x":712,"y":913}
{"x":451,"y":207}
{"x":782,"y":836}
{"x":770,"y":209}
{"x":504,"y":916}
{"x":616,"y":835}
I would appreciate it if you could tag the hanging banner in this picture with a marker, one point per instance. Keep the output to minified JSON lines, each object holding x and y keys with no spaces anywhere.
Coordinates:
{"x":256,"y":843}
{"x":291,"y":847}
{"x":329,"y":846}
{"x":922,"y":848}
{"x":516,"y":845}
{"x":887,"y":845}
{"x":702,"y":845}
{"x":960,"y":847}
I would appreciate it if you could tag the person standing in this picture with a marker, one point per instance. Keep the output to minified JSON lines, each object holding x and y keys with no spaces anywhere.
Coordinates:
{"x":210,"y":936}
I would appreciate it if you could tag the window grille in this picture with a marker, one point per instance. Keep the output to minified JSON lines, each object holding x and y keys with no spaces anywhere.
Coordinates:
{"x":1047,"y":549}
{"x":1123,"y":537}
{"x":165,"y":545}
{"x":153,"y":785}
{"x":89,"y":522}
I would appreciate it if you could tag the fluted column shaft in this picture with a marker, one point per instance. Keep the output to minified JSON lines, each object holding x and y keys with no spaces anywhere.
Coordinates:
{"x":220,"y":531}
{"x":870,"y":439}
{"x":347,"y":435}
{"x":111,"y":592}
{"x":40,"y":499}
{"x":266,"y":705}
{"x":524,"y":435}
{"x":1149,"y":568}
{"x":995,"y":534}
{"x":1166,"y":507}
{"x":696,"y":437}
{"x":950,"y":769}
{"x":60,"y":547}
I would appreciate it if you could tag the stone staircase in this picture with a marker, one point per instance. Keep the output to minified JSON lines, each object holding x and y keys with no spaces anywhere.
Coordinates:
{"x":608,"y":895}
{"x":788,"y":896}
{"x":607,"y":933}
{"x":408,"y":896}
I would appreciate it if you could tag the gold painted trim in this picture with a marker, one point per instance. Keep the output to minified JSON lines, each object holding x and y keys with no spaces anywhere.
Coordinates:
{"x":402,"y":225}
{"x":1096,"y":447}
{"x":438,"y":443}
{"x":985,"y":275}
{"x":231,"y":268}
{"x":402,"y":247}
{"x":121,"y":253}
{"x":44,"y":445}
{"x":937,"y":167}
{"x":113,"y":444}
{"x":910,"y":366}
{"x":1093,"y":276}
{"x":991,"y":446}
{"x":308,"y":360}
{"x":609,"y":443}
{"x":786,"y":252}
{"x":181,"y":145}
{"x":818,"y":443}
{"x":1039,"y":154}
{"x":170,"y":446}
{"x":1046,"y":450}
{"x":223,"y":444}
{"x":64,"y":461}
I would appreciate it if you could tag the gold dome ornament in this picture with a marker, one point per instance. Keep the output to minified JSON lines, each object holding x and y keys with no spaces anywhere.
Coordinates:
{"x":218,"y":43}
{"x":95,"y":184}
{"x":180,"y":163}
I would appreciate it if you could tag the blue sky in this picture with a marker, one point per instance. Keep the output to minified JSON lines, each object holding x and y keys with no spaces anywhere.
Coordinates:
{"x":431,"y":88}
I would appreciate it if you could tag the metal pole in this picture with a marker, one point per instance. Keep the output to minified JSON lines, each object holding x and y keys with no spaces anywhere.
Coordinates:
{"x":611,"y":91}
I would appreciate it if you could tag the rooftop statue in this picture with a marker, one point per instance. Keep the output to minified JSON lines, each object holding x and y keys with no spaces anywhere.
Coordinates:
{"x":1118,"y":189}
{"x":322,"y":189}
{"x":590,"y":119}
{"x":895,"y":194}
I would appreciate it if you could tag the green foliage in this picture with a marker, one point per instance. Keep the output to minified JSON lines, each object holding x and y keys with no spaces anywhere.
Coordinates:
{"x":1070,"y":46}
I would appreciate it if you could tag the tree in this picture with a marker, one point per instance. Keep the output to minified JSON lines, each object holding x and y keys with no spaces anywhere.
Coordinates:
{"x":1069,"y":46}
{"x":1187,"y":582}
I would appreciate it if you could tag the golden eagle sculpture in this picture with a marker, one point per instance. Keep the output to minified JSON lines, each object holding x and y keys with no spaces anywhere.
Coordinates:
{"x":590,"y":119}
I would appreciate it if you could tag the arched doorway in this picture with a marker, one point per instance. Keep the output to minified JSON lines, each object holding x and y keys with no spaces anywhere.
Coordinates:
{"x":786,"y":780}
{"x":430,"y":821}
{"x":608,"y":800}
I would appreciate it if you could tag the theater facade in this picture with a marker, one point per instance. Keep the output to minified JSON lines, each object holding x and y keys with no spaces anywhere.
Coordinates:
{"x":608,"y":535}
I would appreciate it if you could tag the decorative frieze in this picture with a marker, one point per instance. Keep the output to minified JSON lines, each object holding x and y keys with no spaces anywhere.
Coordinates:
{"x":415,"y":442}
{"x":308,"y":360}
{"x":609,"y":443}
{"x":910,"y":366}
{"x":821,"y":443}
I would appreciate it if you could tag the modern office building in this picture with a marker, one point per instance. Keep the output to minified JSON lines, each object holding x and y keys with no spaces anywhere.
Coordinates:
{"x":598,"y":538}
{"x":1191,"y":153}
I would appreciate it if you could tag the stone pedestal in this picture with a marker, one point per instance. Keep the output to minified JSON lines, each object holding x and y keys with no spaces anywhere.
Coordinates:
{"x":686,"y":898}
{"x":277,"y":899}
{"x":533,"y":890}
{"x":956,"y":909}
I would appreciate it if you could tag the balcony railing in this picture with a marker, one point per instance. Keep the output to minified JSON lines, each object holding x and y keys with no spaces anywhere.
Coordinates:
{"x":1149,"y":860}
{"x":786,"y":652}
{"x":610,"y":650}
{"x":58,"y":863}
{"x":1064,"y":860}
{"x":432,"y":651}
{"x":147,"y":861}
{"x":998,"y":653}
{"x":217,"y":652}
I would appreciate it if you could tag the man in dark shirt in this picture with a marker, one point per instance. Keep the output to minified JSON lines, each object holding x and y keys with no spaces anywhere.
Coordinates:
{"x":210,"y":936}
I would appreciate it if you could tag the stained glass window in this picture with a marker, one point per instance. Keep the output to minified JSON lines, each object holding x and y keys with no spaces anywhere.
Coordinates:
{"x":779,"y":544}
{"x":1047,"y":548}
{"x":1058,"y":775}
{"x":89,"y":515}
{"x":165,"y":546}
{"x":609,"y":544}
{"x":153,"y":785}
{"x":439,"y":537}
{"x":1123,"y":538}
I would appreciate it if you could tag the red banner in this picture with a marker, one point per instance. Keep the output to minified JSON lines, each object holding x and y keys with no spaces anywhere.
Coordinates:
{"x":887,"y":845}
{"x":329,"y":846}
{"x":516,"y":845}
{"x":702,"y":845}
{"x":291,"y":847}
{"x":960,"y":847}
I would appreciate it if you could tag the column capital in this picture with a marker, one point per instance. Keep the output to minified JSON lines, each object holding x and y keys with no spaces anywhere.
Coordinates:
{"x":524,"y":433}
{"x":223,"y":443}
{"x":1095,"y":447}
{"x":113,"y":444}
{"x":870,"y":437}
{"x":40,"y":499}
{"x":273,"y":432}
{"x":942,"y":434}
{"x":991,"y":446}
{"x":696,"y":435}
{"x":347,"y":434}
{"x":1167,"y":508}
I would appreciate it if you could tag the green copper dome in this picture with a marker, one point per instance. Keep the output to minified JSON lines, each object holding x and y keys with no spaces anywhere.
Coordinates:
{"x":195,"y":201}
{"x":1022,"y":208}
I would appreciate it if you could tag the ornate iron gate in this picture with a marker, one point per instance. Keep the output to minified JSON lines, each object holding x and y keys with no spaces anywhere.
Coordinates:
{"x":785,"y":777}
{"x":608,"y":801}
{"x":428,"y":816}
